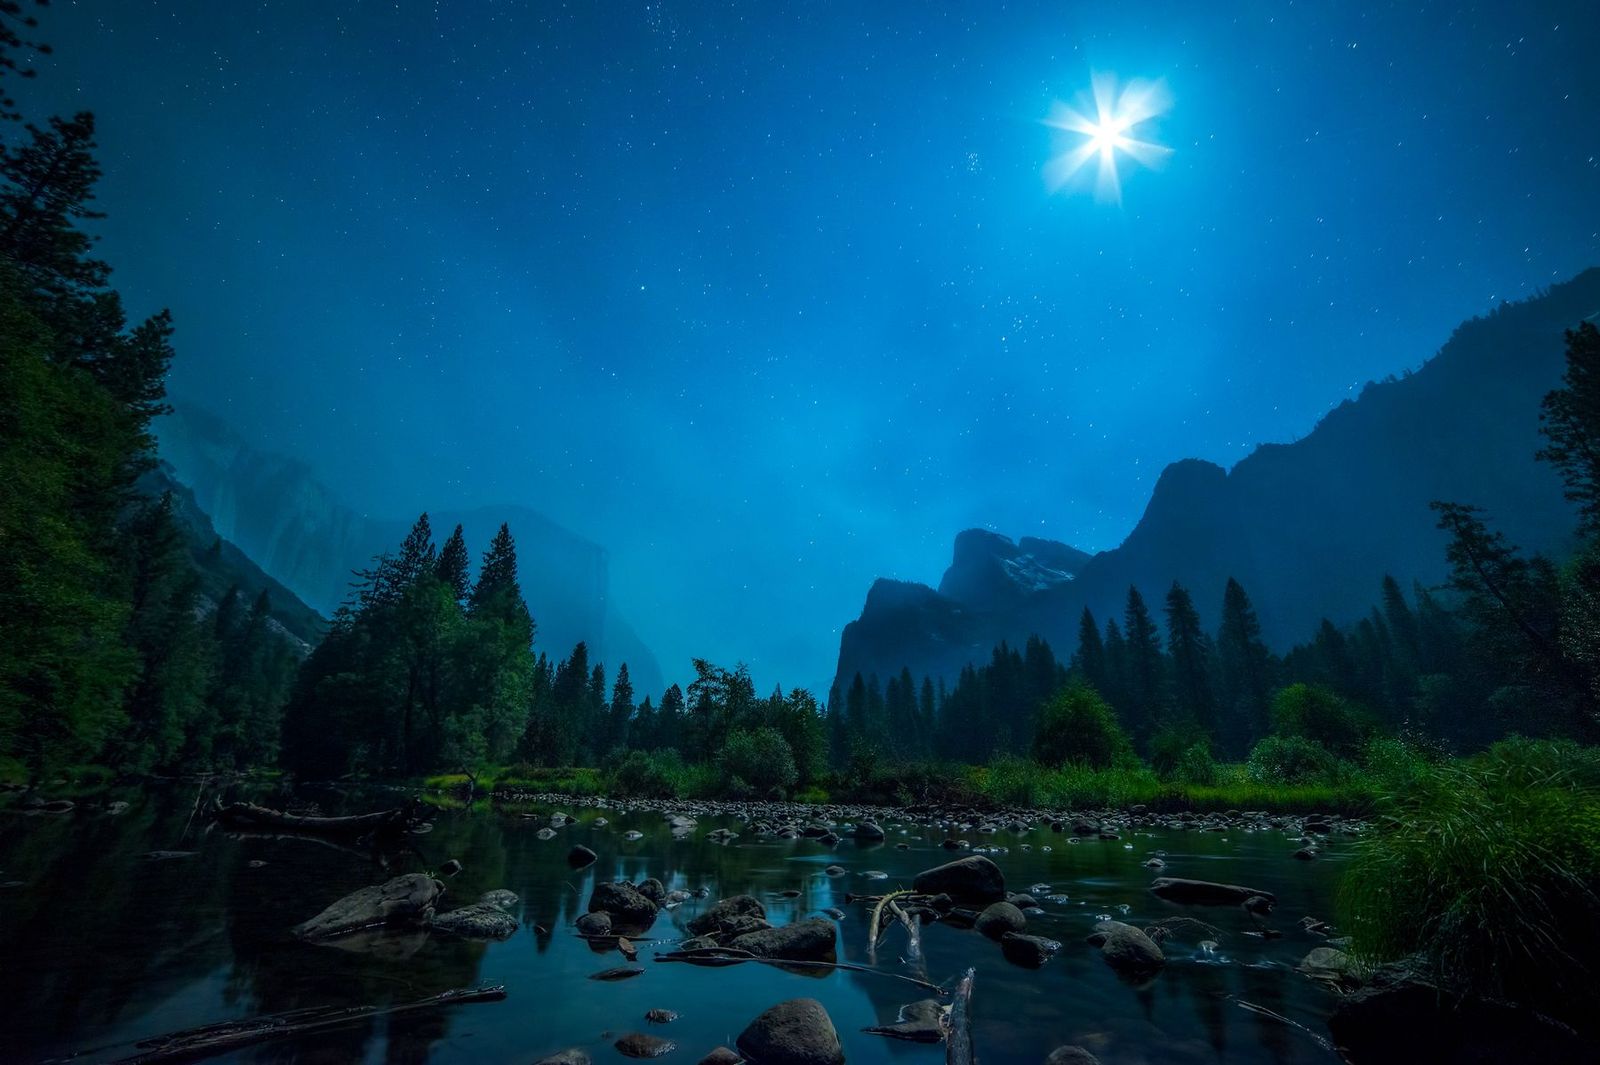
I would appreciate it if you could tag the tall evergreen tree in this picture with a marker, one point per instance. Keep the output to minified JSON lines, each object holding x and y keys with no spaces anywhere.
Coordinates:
{"x":1090,"y":659}
{"x":1244,"y":672}
{"x":1190,"y":651}
{"x":1145,"y":680}
{"x":453,"y":565}
{"x":1570,"y":420}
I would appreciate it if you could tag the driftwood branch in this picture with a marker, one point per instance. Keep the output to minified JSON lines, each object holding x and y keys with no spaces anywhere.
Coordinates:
{"x":195,"y":1044}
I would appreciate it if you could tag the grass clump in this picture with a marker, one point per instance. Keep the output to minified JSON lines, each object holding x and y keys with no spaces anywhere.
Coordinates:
{"x":1488,"y":869}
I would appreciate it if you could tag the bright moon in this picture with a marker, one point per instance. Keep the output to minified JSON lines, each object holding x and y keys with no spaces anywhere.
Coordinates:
{"x":1104,"y":128}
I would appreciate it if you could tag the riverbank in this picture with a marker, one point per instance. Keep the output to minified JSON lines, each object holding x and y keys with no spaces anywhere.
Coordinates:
{"x":1005,"y":784}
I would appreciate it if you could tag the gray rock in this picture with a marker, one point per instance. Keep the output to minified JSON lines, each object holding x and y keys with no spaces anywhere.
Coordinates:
{"x":796,"y":1032}
{"x":594,"y":924}
{"x":920,"y":1022}
{"x":450,"y":868}
{"x":970,"y":879}
{"x":405,"y":900}
{"x":1030,"y":952}
{"x":623,"y":902}
{"x":1127,"y":949}
{"x":621,"y":972}
{"x":580,"y":857}
{"x":660,"y":1016}
{"x":1204,"y":892}
{"x":477,"y":921}
{"x":721,"y":1056}
{"x":719,"y":917}
{"x":652,"y":889}
{"x":1071,"y":1055}
{"x":868,"y":830}
{"x":1000,"y":918}
{"x":640,"y":1045}
{"x":1257,"y":905}
{"x":810,"y":940}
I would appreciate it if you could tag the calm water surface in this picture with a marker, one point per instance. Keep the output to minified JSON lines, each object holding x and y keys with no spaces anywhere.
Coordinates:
{"x":104,"y":946}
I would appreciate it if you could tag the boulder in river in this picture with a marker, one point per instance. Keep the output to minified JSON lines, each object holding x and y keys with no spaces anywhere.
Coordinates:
{"x":1000,"y":918}
{"x":970,"y":879}
{"x":581,"y":857}
{"x":480,"y":920}
{"x":627,"y":907}
{"x":594,"y":924}
{"x":868,"y":830}
{"x":919,"y":1022}
{"x":796,"y":1032}
{"x":810,"y":940}
{"x":721,"y":1056}
{"x":499,"y":897}
{"x":1204,"y":892}
{"x":405,"y":900}
{"x":1071,"y":1055}
{"x":1127,"y":949}
{"x":719,"y":918}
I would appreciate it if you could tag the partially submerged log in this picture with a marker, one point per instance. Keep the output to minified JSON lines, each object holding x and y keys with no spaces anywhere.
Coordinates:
{"x":193,"y":1044}
{"x":246,"y":815}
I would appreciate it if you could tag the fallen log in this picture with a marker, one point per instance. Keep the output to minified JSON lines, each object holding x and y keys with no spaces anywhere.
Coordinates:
{"x":194,"y":1044}
{"x":246,"y":815}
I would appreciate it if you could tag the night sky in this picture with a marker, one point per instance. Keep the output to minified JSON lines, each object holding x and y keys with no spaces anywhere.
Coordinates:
{"x":774,"y":299}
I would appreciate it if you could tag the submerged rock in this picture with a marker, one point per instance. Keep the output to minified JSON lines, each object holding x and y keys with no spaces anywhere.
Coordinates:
{"x":621,"y":972}
{"x":796,"y":1032}
{"x":1071,"y":1055}
{"x":660,"y":1016}
{"x":573,"y":1056}
{"x":1204,"y":892}
{"x":1127,"y":949}
{"x":580,"y":857}
{"x":721,"y":1056}
{"x":810,"y":940}
{"x":869,"y":830}
{"x":405,"y":900}
{"x":499,"y":897}
{"x":481,"y":920}
{"x":970,"y":879}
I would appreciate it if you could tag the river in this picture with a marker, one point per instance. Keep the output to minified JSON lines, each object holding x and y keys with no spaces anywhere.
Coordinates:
{"x":105,"y":946}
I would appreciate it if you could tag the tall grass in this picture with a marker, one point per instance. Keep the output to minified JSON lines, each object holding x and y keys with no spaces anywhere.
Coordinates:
{"x":1489,"y":870}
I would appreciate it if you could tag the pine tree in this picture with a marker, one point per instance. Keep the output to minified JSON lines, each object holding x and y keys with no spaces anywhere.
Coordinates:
{"x":417,"y":556}
{"x":48,"y":184}
{"x":1146,"y":683}
{"x":1570,"y":421}
{"x":621,"y":709}
{"x":453,"y":565}
{"x":1190,"y":653}
{"x":1244,"y":673}
{"x":1090,"y":660}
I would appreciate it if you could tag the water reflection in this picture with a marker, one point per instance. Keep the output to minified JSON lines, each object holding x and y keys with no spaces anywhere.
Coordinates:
{"x":106,"y":946}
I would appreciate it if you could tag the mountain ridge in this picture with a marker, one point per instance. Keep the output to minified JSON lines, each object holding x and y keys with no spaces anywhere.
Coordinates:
{"x":1309,"y":527}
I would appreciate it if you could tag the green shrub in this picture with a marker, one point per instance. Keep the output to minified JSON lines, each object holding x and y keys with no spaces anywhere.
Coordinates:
{"x":1291,"y":760}
{"x":1320,"y":716}
{"x":757,"y":762}
{"x":646,"y":775}
{"x":1196,"y":766}
{"x":1078,"y":727}
{"x":1489,"y":870}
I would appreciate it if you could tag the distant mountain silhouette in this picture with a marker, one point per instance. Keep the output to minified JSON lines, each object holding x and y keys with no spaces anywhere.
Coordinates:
{"x":220,"y":565}
{"x":276,"y":511}
{"x":1308,"y":528}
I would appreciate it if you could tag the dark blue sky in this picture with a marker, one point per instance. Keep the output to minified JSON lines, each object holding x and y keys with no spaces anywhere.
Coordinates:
{"x":774,"y":299}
